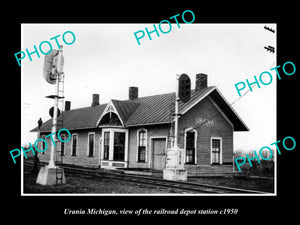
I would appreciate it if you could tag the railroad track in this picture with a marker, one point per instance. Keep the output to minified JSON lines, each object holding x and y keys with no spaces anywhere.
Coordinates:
{"x":177,"y":186}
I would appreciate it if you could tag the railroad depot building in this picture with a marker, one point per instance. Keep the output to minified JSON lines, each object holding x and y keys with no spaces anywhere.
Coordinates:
{"x":136,"y":133}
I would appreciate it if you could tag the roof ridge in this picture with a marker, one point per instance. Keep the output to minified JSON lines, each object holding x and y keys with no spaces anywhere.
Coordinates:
{"x":128,"y":100}
{"x":86,"y":107}
{"x":169,"y":93}
{"x":149,"y":109}
{"x":156,"y":95}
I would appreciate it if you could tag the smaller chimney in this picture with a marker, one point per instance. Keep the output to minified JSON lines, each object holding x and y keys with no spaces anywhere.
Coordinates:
{"x":133,"y":93}
{"x":95,"y":100}
{"x":67,"y":105}
{"x":201,"y":81}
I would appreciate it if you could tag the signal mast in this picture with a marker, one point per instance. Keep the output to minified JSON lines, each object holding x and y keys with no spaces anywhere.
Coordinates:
{"x":175,"y":159}
{"x":53,"y":74}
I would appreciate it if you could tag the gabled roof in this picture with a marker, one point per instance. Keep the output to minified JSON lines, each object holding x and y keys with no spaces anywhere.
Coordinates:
{"x":221,"y":103}
{"x":149,"y":110}
{"x":152,"y":110}
{"x":81,"y":118}
{"x":230,"y":113}
{"x":125,"y":108}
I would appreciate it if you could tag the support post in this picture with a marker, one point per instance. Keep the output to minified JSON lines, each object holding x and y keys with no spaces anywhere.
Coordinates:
{"x":174,"y":169}
{"x":36,"y":158}
{"x":54,"y":124}
{"x":48,"y":174}
{"x":54,"y":121}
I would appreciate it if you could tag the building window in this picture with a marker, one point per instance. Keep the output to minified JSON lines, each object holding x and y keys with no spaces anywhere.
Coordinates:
{"x":106,"y":145}
{"x":190,"y":147}
{"x":62,"y":144}
{"x":216,"y":151}
{"x":119,"y":146}
{"x":142,"y":143}
{"x":91,"y":141}
{"x":74,"y":144}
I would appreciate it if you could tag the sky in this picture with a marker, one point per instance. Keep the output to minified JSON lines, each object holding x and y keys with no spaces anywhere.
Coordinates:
{"x":106,"y":59}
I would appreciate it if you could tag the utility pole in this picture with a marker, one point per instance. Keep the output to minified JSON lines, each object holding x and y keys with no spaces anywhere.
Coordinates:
{"x":270,"y":48}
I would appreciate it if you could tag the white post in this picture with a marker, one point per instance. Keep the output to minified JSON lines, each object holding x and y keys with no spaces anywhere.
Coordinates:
{"x":176,"y":121}
{"x":54,"y":122}
{"x":176,"y":113}
{"x":179,"y":152}
{"x":174,"y":164}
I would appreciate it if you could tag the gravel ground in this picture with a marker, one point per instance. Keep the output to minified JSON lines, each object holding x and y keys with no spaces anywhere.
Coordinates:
{"x":83,"y":185}
{"x":107,"y":186}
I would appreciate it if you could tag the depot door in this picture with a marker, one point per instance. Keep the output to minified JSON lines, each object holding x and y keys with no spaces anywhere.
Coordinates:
{"x":159,"y":153}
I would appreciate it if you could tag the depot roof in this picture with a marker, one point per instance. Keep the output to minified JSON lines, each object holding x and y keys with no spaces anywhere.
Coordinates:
{"x":149,"y":110}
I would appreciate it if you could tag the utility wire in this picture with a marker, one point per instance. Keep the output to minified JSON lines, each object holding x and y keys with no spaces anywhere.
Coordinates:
{"x":229,"y":104}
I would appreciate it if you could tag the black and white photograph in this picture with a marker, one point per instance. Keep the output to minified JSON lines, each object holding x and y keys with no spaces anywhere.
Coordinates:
{"x":140,"y":113}
{"x":162,"y":116}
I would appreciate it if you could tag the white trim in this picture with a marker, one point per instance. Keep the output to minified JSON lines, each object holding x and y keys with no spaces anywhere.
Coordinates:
{"x":88,"y":144}
{"x":195,"y":144}
{"x":105,"y":111}
{"x":116,"y":112}
{"x":100,"y":149}
{"x":102,"y":144}
{"x":137,"y":145}
{"x":111,"y":144}
{"x":221,"y":149}
{"x":204,"y":96}
{"x":60,"y":144}
{"x":231,"y":108}
{"x":151,"y":147}
{"x":218,"y":108}
{"x":74,"y":134}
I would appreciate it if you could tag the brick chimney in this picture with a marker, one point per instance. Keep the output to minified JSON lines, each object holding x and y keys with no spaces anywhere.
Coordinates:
{"x":201,"y":81}
{"x":133,"y":93}
{"x":95,"y":100}
{"x":67,"y":105}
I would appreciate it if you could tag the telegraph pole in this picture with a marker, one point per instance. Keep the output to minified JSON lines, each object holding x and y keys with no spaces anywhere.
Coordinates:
{"x":269,"y":48}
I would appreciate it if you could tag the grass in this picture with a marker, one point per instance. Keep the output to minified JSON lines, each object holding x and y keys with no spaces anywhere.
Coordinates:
{"x":264,"y":168}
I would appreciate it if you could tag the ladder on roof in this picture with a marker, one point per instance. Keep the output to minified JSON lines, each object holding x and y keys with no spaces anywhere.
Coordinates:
{"x":60,"y":146}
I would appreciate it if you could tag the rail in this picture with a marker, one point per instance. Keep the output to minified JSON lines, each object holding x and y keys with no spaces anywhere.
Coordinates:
{"x":157,"y":182}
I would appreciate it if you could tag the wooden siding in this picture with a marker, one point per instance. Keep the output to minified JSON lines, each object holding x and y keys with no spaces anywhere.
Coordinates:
{"x":217,"y":126}
{"x":81,"y":157}
{"x":152,"y":131}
